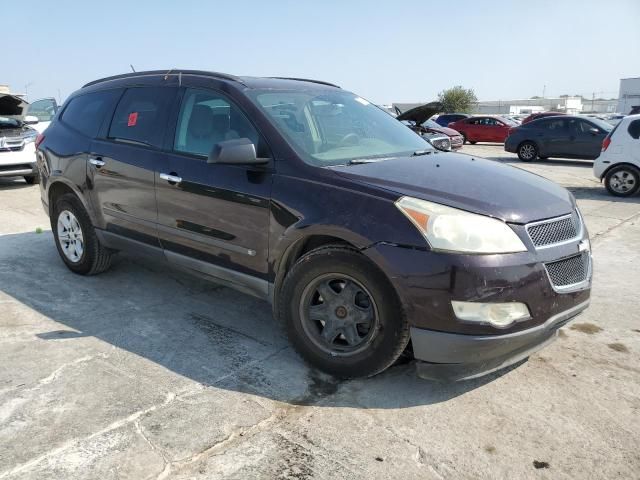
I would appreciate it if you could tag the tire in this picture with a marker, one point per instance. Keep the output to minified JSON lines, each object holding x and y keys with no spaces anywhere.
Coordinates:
{"x":32,"y":179}
{"x":622,"y":181}
{"x":464,"y":138}
{"x":82,"y":253}
{"x":358,"y":291}
{"x":527,"y":151}
{"x":473,"y":143}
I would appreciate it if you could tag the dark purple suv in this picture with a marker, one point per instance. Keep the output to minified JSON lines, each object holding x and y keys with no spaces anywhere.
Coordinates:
{"x":367,"y":242}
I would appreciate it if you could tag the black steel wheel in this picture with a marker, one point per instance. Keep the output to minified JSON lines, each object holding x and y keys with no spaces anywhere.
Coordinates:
{"x":342,"y":314}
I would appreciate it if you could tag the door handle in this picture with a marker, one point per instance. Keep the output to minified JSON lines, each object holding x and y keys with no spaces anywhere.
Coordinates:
{"x":172,"y":179}
{"x":98,"y":162}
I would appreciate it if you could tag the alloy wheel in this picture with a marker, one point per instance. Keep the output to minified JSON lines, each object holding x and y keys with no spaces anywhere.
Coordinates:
{"x":527,"y":151}
{"x":70,"y":236}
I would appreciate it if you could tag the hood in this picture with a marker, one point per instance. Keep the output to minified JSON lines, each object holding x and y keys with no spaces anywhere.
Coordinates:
{"x":469,"y":183}
{"x":422,"y":113}
{"x":12,"y":106}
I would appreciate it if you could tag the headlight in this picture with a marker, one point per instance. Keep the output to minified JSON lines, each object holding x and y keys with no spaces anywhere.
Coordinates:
{"x":450,"y":229}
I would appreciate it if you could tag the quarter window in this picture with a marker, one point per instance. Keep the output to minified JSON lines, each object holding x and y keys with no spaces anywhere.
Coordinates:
{"x":141,"y":115}
{"x":86,"y":113}
{"x":207,"y":118}
{"x":634,"y":129}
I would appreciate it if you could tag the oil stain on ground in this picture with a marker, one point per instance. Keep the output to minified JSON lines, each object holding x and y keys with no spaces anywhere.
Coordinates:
{"x":588,"y":328}
{"x":618,"y":347}
{"x":538,"y":464}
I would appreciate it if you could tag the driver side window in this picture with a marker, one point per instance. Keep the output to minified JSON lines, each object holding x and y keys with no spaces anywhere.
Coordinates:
{"x":207,"y":118}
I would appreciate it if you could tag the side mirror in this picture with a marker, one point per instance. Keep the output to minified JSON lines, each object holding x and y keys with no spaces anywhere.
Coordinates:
{"x":30,"y":120}
{"x":240,"y":151}
{"x":594,"y":131}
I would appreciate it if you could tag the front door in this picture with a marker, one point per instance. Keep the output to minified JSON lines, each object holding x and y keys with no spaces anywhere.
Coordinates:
{"x":123,"y":161}
{"x":212,"y":217}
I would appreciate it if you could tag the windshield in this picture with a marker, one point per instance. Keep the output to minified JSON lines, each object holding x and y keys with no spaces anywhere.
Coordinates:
{"x":431,"y":124}
{"x":335,"y":127}
{"x":6,"y":122}
{"x":606,"y":126}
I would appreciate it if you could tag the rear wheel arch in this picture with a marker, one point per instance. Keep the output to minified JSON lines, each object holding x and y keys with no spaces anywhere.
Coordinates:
{"x":59,"y":188}
{"x":619,"y":164}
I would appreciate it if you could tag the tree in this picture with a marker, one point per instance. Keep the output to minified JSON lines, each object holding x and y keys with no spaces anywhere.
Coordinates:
{"x":457,"y":99}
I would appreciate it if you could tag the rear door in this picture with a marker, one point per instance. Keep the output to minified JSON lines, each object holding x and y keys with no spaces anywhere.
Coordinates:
{"x":552,"y":136}
{"x":214,"y":218}
{"x":473,"y":129}
{"x":589,"y":138}
{"x":123,"y":161}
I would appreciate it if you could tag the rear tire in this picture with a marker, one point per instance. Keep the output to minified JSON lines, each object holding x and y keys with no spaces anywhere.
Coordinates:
{"x":527,"y":151}
{"x":76,"y":239}
{"x":341,"y":313}
{"x":473,"y":143}
{"x":622,"y":181}
{"x":464,"y":138}
{"x":32,"y":179}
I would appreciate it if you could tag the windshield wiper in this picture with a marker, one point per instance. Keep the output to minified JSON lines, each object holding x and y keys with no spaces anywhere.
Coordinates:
{"x":358,"y":161}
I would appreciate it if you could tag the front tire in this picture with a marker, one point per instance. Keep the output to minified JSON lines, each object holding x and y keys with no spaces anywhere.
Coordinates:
{"x":527,"y":151}
{"x":341,"y":313}
{"x":76,"y":239}
{"x":622,"y":181}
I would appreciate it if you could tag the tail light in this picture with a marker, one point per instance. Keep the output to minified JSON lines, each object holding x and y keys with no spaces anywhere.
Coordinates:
{"x":39,"y":139}
{"x":606,"y":142}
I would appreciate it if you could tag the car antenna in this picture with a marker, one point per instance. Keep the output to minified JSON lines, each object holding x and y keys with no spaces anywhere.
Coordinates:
{"x":166,"y":75}
{"x":132,"y":69}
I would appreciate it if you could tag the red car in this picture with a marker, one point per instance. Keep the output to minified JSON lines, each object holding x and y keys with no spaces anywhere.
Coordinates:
{"x":487,"y":128}
{"x":535,"y":116}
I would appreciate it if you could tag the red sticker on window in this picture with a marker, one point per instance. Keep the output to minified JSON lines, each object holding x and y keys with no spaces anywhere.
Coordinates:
{"x":133,"y":119}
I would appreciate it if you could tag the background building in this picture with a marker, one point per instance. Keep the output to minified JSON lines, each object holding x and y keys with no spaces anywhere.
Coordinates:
{"x":629,"y":94}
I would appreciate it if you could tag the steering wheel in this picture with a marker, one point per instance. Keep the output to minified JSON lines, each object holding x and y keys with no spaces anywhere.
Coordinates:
{"x":349,"y":139}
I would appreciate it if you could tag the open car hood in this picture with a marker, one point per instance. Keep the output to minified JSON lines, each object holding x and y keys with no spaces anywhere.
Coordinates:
{"x":422,"y":113}
{"x":12,"y":106}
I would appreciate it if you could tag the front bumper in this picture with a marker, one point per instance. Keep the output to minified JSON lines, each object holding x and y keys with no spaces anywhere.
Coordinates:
{"x":427,"y":282}
{"x":18,"y":163}
{"x":455,"y":357}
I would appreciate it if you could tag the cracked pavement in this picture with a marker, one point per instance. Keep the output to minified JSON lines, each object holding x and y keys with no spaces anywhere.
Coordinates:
{"x":147,"y":373}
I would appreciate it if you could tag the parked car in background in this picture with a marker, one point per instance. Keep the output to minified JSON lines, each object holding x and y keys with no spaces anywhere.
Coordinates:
{"x":558,"y":136}
{"x":419,"y":119}
{"x":619,"y":162}
{"x":362,"y":237}
{"x":485,"y":128}
{"x":536,"y":116}
{"x":445,"y":119}
{"x":17,"y":137}
{"x":614,"y":119}
{"x":44,"y":110}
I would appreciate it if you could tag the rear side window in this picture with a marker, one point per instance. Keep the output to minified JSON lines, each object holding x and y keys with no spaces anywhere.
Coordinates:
{"x":141,"y":115}
{"x":86,"y":113}
{"x":634,"y":129}
{"x":552,"y":124}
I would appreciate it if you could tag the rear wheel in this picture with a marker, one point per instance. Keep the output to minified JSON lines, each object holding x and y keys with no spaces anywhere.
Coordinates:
{"x":527,"y":151}
{"x":464,"y":138}
{"x":622,"y":181}
{"x":473,"y":143}
{"x":76,"y":239}
{"x":341,"y":314}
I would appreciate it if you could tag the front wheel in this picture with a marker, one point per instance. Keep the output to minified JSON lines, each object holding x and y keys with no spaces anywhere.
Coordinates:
{"x":341,"y":313}
{"x":622,"y":181}
{"x":527,"y":151}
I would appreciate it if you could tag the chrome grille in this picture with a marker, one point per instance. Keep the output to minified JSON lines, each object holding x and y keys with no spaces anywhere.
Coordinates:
{"x":554,"y":231}
{"x":569,"y":271}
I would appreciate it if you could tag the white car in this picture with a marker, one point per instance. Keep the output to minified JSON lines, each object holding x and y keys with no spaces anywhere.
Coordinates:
{"x":619,"y":163}
{"x":17,"y":139}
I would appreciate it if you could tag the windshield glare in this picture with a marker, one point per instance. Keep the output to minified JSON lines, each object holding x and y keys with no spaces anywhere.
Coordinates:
{"x":333,"y":128}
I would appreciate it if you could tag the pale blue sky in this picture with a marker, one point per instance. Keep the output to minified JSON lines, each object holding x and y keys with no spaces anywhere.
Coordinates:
{"x":384,"y":51}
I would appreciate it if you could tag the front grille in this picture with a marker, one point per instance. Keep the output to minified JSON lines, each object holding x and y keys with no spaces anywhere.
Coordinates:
{"x":554,"y":231}
{"x":569,"y":271}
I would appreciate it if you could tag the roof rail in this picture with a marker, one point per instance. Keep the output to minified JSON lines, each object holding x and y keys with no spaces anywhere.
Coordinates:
{"x":171,"y":71}
{"x":321,"y":82}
